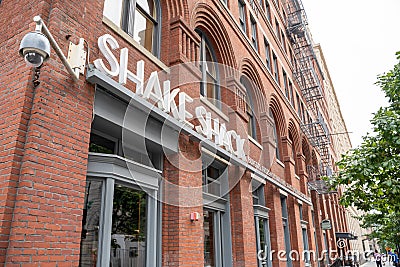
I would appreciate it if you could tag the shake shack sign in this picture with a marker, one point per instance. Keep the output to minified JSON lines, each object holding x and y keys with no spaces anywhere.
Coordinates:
{"x":173,"y":102}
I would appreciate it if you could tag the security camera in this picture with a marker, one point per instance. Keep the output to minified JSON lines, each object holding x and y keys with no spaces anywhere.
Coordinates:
{"x":35,"y":48}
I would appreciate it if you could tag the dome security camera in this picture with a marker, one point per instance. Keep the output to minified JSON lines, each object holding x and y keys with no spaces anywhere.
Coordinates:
{"x":35,"y":48}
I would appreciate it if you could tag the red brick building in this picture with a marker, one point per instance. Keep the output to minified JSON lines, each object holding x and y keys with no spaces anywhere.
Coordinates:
{"x":118,"y":169}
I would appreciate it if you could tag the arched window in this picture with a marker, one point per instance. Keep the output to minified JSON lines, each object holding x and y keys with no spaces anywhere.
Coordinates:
{"x":251,"y":123}
{"x":138,"y":18}
{"x":209,"y":86}
{"x":276,"y":135}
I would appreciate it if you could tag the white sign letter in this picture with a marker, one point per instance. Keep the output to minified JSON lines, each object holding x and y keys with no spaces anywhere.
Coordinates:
{"x":105,"y":50}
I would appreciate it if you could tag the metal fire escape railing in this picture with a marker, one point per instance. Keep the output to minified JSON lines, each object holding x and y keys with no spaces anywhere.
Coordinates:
{"x":308,"y":75}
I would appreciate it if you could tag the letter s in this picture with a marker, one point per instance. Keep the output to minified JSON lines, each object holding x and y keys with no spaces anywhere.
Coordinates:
{"x":105,"y":50}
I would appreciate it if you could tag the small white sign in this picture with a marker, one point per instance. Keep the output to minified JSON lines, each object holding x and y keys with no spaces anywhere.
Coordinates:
{"x":326,"y":225}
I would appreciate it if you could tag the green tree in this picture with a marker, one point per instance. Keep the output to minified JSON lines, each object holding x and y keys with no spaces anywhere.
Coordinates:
{"x":385,"y":227}
{"x":371,"y":172}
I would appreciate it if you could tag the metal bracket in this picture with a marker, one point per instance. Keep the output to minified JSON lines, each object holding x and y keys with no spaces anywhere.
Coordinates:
{"x":77,"y":56}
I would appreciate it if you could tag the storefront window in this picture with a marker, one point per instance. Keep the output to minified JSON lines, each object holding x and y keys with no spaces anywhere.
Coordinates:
{"x":91,"y":224}
{"x":128,"y":232}
{"x":208,"y":225}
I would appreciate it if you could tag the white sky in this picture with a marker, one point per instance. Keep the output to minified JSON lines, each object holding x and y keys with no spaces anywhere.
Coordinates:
{"x":359,"y":39}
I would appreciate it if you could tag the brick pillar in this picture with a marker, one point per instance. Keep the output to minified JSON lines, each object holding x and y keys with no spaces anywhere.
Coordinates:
{"x":289,"y":162}
{"x":242,"y":217}
{"x":301,"y":159}
{"x":182,"y":239}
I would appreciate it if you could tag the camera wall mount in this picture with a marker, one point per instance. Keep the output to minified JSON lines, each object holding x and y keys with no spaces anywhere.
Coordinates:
{"x":35,"y":48}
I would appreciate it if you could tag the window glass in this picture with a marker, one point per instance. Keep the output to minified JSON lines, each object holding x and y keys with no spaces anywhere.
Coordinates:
{"x":143,"y":30}
{"x":138,"y":18}
{"x":128,"y":232}
{"x":286,"y":231}
{"x":209,"y":235}
{"x":262,"y":232}
{"x":268,"y":10}
{"x":242,"y":16}
{"x":254,"y":33}
{"x":276,"y":71}
{"x":209,"y":86}
{"x":91,"y":224}
{"x":212,"y":181}
{"x":251,"y":123}
{"x":267,"y":54}
{"x":275,"y":132}
{"x":147,"y":6}
{"x":100,"y":144}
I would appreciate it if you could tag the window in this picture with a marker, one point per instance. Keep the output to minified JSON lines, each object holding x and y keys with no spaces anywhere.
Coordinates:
{"x":138,"y":18}
{"x":298,"y":105}
{"x":128,"y":230}
{"x":259,"y":196}
{"x":305,"y":243}
{"x":304,"y":234}
{"x":277,"y":30}
{"x":286,"y":232}
{"x":276,"y":136}
{"x":284,"y":16}
{"x":251,"y":123}
{"x":216,"y":224}
{"x":121,"y":215}
{"x":276,"y":71}
{"x":261,"y":220}
{"x":116,"y":225}
{"x":303,"y":118}
{"x":291,"y":93}
{"x":267,"y":54}
{"x":301,"y":212}
{"x":211,"y":181}
{"x":285,"y":85}
{"x":261,"y":2}
{"x":268,"y":10}
{"x":209,"y":86}
{"x":283,"y":40}
{"x":209,"y":238}
{"x":242,"y":15}
{"x":254,"y":33}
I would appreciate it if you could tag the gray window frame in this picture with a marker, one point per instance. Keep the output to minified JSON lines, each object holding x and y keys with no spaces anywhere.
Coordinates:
{"x":204,"y":43}
{"x":268,"y":10}
{"x":242,"y":15}
{"x":99,"y":169}
{"x":286,"y":230}
{"x":220,"y":205}
{"x":261,"y":212}
{"x":128,"y":17}
{"x":244,"y":80}
{"x":276,"y":69}
{"x":267,"y":53}
{"x":254,"y":40}
{"x":278,"y":155}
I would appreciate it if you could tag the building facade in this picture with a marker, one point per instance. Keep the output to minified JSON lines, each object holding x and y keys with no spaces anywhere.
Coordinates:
{"x":197,"y":136}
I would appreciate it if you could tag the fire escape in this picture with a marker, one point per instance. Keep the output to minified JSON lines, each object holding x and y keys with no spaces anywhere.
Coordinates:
{"x":308,"y":75}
